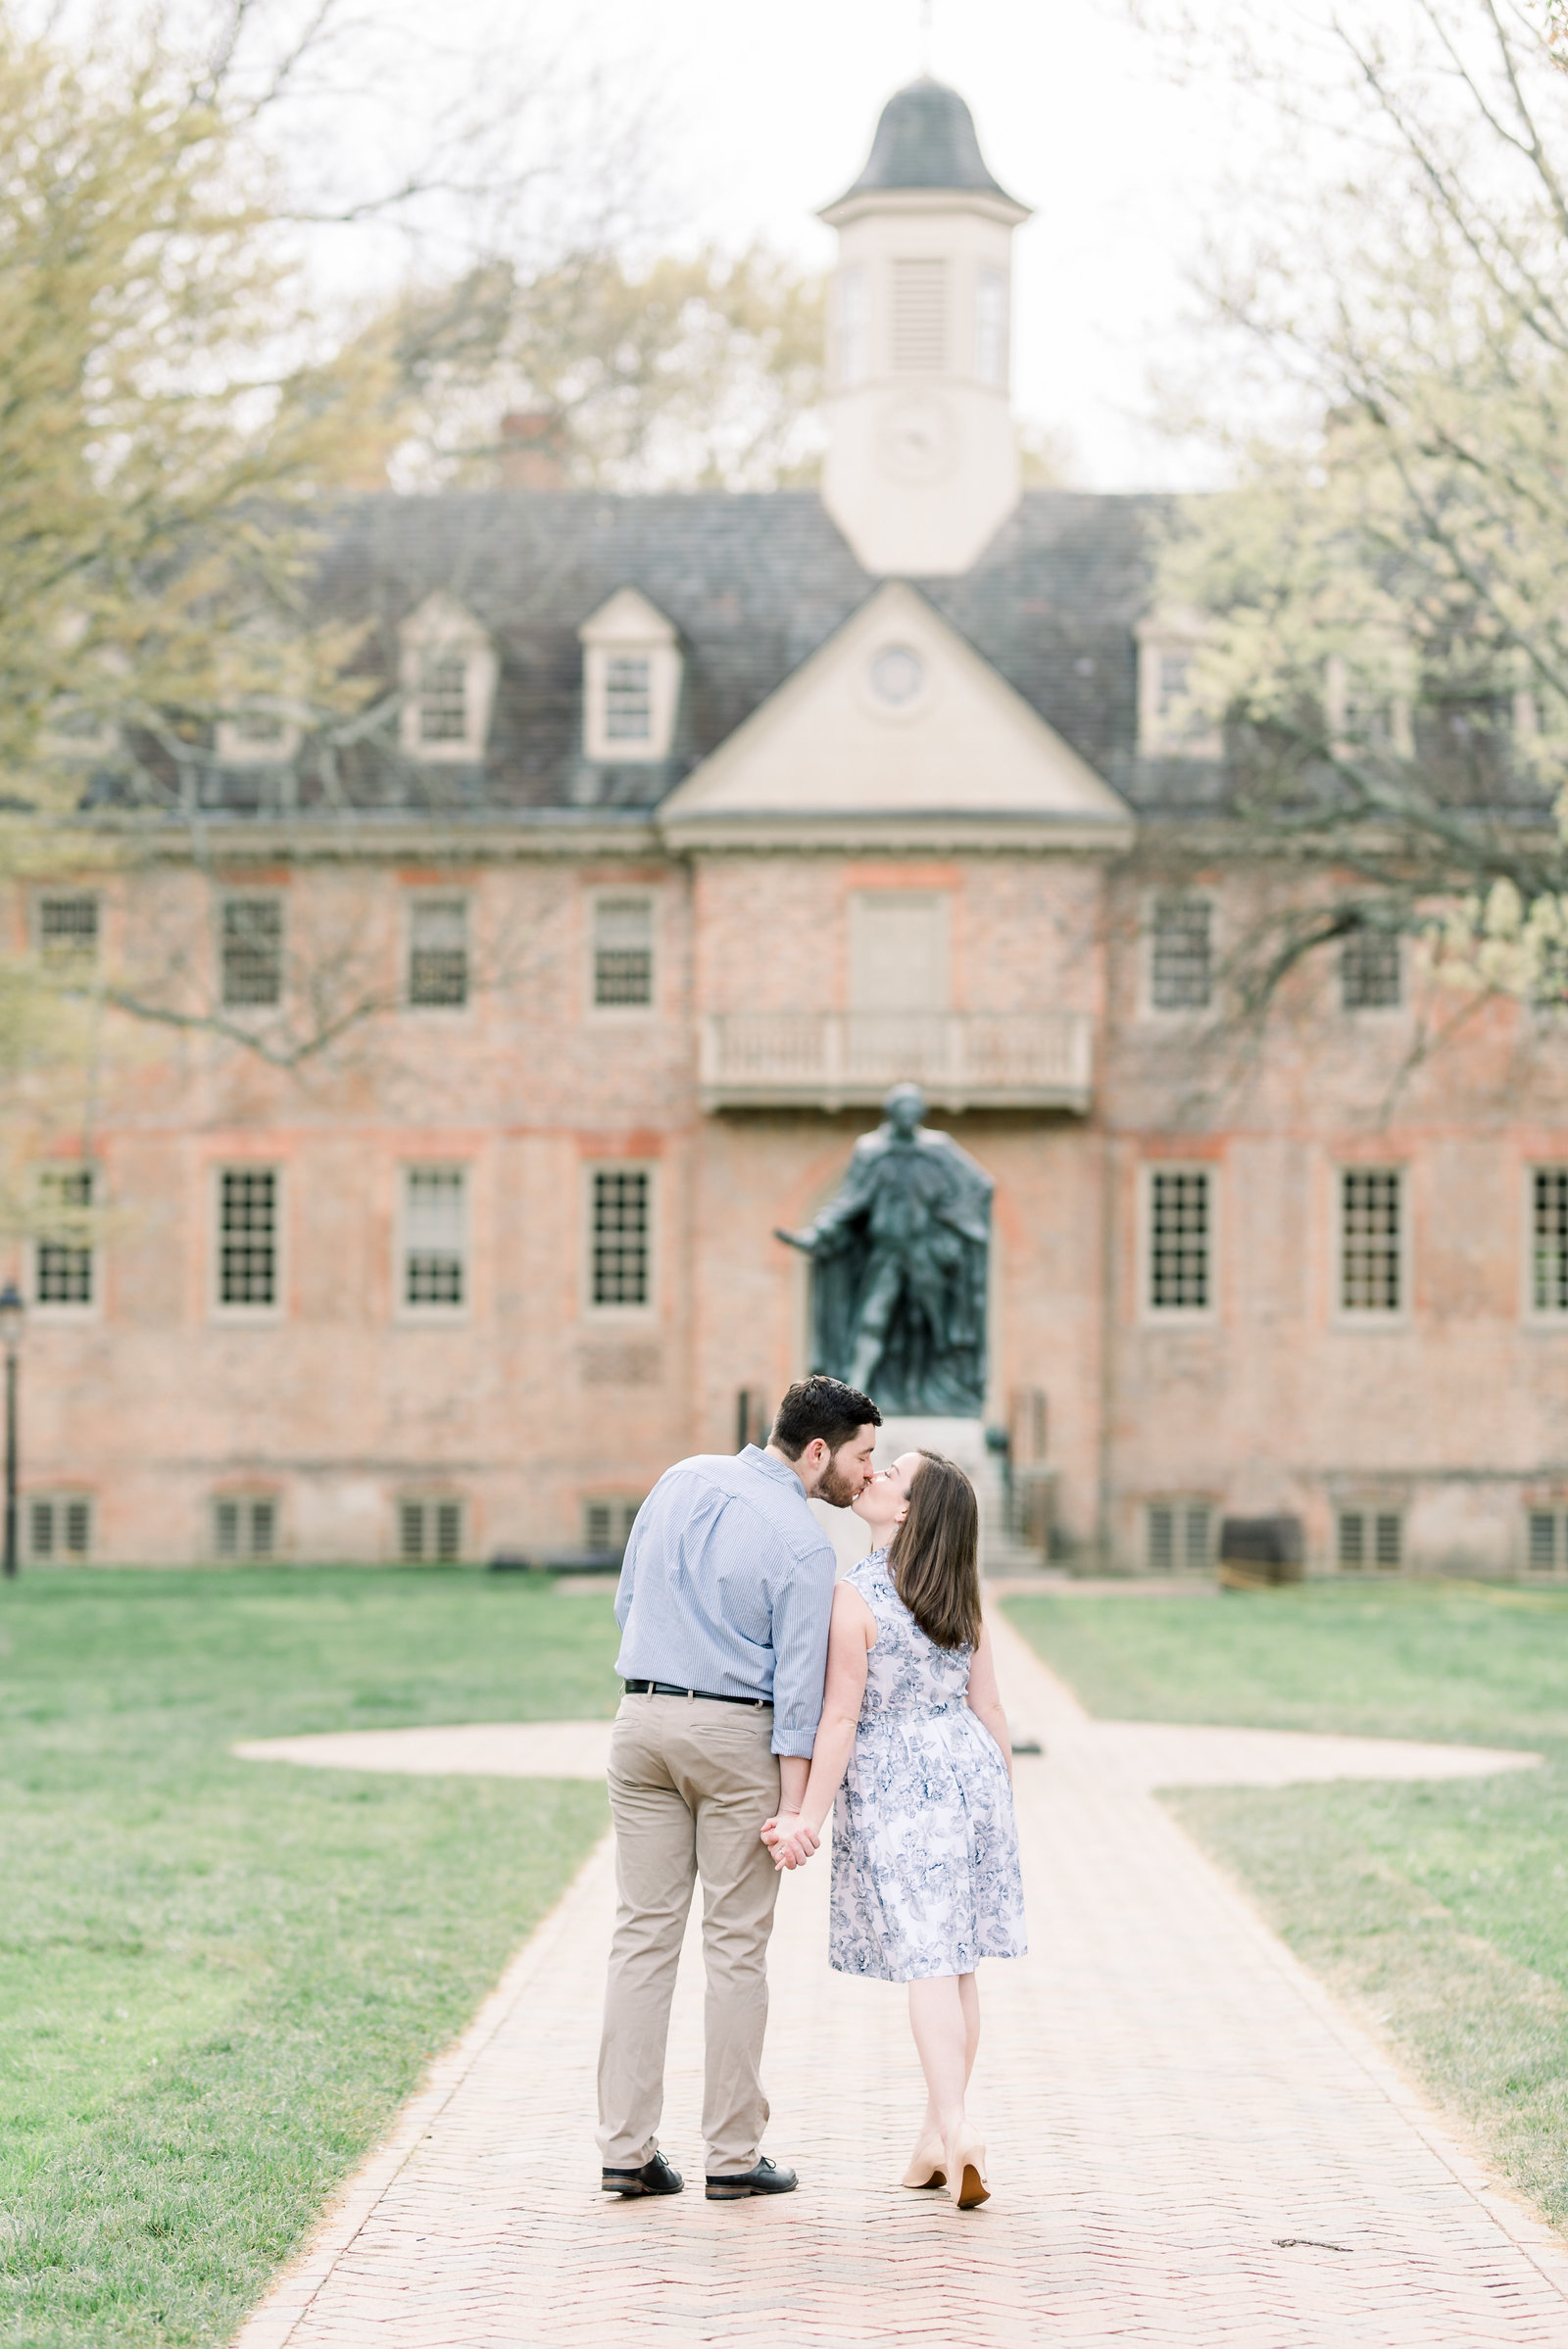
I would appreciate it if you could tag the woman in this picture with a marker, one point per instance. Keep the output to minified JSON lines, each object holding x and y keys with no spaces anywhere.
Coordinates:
{"x":913,"y":1744}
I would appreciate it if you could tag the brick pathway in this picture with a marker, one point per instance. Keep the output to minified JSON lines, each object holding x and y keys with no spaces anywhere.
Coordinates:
{"x":1188,"y":2144}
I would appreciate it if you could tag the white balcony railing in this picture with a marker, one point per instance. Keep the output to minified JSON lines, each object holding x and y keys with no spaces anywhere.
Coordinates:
{"x":841,"y":1061}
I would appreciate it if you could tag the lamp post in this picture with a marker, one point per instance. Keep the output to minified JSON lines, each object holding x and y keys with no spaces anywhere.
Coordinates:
{"x":12,"y":1313}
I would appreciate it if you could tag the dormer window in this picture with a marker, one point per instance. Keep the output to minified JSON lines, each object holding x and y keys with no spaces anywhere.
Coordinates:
{"x":260,"y":736}
{"x":449,"y":675}
{"x":632,"y":681}
{"x":441,"y":713}
{"x":1171,"y":724}
{"x":629,"y":696}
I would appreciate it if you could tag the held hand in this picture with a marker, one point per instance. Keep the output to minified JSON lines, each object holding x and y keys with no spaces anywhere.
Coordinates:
{"x":789,"y":1838}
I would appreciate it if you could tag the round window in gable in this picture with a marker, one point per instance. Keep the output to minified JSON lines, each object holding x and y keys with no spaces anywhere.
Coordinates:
{"x":898,"y":675}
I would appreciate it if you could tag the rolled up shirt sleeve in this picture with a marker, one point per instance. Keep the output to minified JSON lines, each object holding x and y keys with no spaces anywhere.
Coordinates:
{"x":802,"y":1609}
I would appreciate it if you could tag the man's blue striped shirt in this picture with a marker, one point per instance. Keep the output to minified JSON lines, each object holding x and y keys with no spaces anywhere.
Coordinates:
{"x":727,"y":1586}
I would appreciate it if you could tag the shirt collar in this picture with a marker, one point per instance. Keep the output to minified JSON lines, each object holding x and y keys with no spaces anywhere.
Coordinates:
{"x":780,"y":1470}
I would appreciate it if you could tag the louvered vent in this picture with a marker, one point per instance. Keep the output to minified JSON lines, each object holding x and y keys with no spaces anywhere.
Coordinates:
{"x":920,"y":318}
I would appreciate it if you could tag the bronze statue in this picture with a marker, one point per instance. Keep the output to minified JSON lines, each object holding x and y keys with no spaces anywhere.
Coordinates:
{"x":899,"y":1268}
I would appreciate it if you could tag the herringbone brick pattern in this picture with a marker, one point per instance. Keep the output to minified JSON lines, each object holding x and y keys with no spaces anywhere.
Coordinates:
{"x":1188,"y":2144}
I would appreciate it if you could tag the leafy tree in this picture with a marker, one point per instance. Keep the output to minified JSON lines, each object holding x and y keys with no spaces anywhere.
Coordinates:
{"x":1388,"y":586}
{"x":688,"y":372}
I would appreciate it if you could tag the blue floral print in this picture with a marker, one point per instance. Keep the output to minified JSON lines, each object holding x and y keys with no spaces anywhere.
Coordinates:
{"x":926,"y":1844}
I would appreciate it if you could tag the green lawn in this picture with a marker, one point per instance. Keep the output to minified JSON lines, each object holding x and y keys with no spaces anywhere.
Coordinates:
{"x":220,"y":1978}
{"x":1437,"y":1912}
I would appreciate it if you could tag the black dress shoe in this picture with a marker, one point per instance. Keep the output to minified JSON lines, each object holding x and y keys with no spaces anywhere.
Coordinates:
{"x":653,"y":2178}
{"x":765,"y":2179}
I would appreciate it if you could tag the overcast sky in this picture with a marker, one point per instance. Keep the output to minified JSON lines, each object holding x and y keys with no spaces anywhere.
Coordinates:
{"x":771,"y":112}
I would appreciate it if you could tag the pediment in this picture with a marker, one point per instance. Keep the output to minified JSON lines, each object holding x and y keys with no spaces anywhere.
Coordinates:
{"x":896,"y":720}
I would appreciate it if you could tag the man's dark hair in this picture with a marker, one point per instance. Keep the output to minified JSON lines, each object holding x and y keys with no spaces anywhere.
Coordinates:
{"x":821,"y":1407}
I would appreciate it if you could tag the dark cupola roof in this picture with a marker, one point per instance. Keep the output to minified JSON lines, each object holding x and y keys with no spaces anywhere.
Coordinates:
{"x":925,"y":138}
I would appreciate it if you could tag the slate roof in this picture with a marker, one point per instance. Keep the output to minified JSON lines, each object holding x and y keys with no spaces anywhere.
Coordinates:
{"x":925,"y":138}
{"x":752,"y":584}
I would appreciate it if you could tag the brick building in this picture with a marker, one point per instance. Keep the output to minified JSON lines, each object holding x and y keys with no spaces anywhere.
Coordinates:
{"x":680,"y":827}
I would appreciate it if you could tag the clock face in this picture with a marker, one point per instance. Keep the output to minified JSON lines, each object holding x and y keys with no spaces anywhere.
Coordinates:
{"x":917,"y":439}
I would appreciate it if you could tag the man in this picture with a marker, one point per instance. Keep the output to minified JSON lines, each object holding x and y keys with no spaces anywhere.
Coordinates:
{"x":724,"y":1601}
{"x":900,"y":1263}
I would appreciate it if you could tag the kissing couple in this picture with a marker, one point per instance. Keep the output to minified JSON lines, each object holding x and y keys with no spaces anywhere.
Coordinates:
{"x":758,"y":1697}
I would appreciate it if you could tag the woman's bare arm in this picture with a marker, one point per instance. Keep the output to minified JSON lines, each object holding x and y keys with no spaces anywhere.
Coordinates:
{"x":851,"y":1635}
{"x":985,"y":1697}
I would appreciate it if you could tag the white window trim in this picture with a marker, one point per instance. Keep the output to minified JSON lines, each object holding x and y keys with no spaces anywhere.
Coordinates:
{"x":232,"y":748}
{"x":35,"y":904}
{"x":637,"y":1317}
{"x":1369,"y":1317}
{"x":59,"y":1495}
{"x":442,"y":624}
{"x":431,"y":895}
{"x":239,"y":896}
{"x":244,"y":1496}
{"x":1335,"y":703}
{"x":629,"y":627}
{"x":1175,"y":1317}
{"x":431,"y":1496}
{"x":1158,"y":633}
{"x":246,"y":1315}
{"x":1538,"y":1317}
{"x":615,"y":1012}
{"x":425,"y":1315}
{"x":37,"y":1311}
{"x":1176,"y":1014}
{"x":1360,"y":1012}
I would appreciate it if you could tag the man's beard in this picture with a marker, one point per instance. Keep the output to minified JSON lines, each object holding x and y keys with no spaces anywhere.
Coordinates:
{"x":836,"y":1489}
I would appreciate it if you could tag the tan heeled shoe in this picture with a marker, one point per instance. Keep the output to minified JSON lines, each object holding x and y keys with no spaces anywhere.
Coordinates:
{"x":926,"y":2164}
{"x":965,"y":2158}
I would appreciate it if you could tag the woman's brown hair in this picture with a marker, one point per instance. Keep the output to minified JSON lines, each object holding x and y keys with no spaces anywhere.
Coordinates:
{"x":934,"y":1557}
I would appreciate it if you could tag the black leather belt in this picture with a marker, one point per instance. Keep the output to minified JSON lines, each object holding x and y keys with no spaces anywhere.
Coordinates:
{"x":756,"y":1704}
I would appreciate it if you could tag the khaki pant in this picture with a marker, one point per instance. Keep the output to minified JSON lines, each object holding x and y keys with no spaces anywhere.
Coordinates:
{"x":691,"y":1782}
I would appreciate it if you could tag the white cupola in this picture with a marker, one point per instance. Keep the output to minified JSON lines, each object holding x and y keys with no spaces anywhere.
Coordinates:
{"x":922,"y":457}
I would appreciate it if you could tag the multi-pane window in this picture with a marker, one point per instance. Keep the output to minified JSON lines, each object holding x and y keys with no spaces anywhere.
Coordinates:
{"x":919,"y":318}
{"x":67,"y":928}
{"x":245,"y":1525}
{"x":621,"y":1237}
{"x":854,"y":327}
{"x":624,"y":951}
{"x":1548,"y":1238}
{"x":991,"y":329}
{"x":59,"y":1526}
{"x":63,"y":1257}
{"x":1371,"y":1250}
{"x":248,"y":1236}
{"x":1181,"y":954}
{"x":1545,"y":1540}
{"x":1179,"y":1533}
{"x":438,"y":952}
{"x":1180,"y":1237}
{"x":442,"y":704}
{"x":1369,"y":970}
{"x":430,"y":1529}
{"x":629,"y":696}
{"x":607,"y":1524}
{"x":1370,"y":1538}
{"x":257,"y":729}
{"x":251,"y":950}
{"x":435,"y":1240}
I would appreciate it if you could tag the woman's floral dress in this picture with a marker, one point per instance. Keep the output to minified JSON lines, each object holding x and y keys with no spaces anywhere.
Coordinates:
{"x":925,"y":1845}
